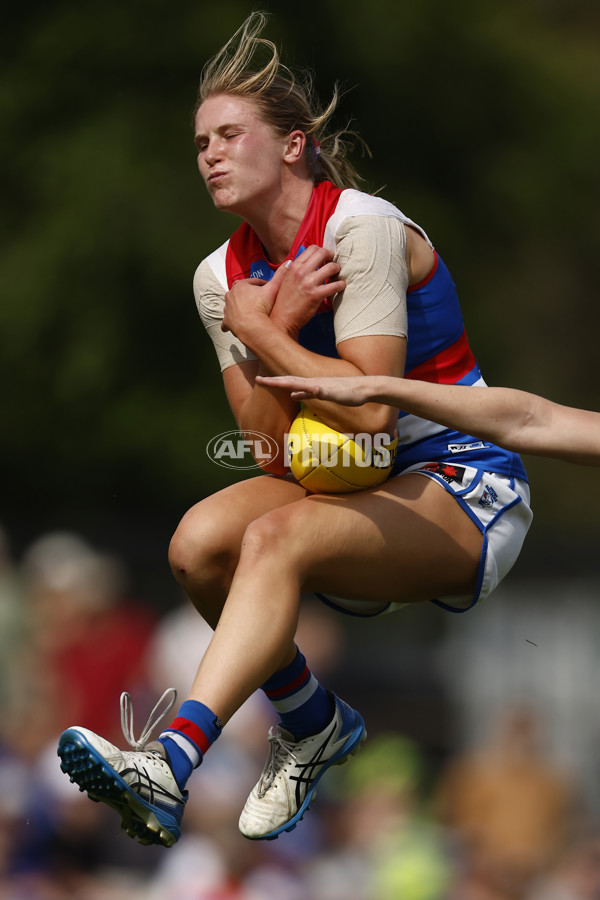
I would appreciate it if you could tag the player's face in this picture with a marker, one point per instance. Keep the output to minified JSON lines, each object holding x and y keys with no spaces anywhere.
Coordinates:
{"x":240,"y":157}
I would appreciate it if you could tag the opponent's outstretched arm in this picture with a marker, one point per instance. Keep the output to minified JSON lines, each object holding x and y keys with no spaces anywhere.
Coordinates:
{"x":518,"y":420}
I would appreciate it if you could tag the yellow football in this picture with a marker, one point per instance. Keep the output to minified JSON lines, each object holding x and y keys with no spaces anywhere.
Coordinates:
{"x":326,"y":461}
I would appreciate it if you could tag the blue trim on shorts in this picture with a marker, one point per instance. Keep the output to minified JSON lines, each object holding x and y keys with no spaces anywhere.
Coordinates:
{"x":348,"y":612}
{"x":483,"y":529}
{"x":484,"y":546}
{"x":480,"y":574}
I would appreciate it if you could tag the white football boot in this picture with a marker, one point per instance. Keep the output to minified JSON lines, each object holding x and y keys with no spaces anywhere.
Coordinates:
{"x":139,"y":784}
{"x":289,"y":780}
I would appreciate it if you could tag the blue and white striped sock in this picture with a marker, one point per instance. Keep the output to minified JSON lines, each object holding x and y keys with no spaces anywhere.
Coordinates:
{"x":304,"y":706}
{"x":188,"y":737}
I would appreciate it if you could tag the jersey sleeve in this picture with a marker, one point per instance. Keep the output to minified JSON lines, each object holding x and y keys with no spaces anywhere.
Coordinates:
{"x":210,"y":300}
{"x":371,"y":251}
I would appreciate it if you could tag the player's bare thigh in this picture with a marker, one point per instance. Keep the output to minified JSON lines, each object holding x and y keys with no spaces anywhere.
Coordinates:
{"x":212,"y":530}
{"x":406,"y":541}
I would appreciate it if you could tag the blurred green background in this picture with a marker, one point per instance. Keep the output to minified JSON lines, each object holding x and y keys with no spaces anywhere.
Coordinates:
{"x":483,"y":120}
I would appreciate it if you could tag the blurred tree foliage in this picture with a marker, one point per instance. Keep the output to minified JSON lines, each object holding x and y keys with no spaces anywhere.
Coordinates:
{"x":483,"y":122}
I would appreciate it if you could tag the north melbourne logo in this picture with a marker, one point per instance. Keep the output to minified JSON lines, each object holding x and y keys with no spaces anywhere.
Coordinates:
{"x":488,"y":497}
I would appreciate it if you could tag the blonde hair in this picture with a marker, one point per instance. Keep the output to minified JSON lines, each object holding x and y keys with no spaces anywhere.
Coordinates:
{"x":286,"y":100}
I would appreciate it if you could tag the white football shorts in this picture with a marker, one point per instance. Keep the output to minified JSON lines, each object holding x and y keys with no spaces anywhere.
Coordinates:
{"x":499,"y":506}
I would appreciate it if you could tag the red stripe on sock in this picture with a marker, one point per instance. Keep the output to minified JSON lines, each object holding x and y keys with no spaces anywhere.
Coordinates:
{"x":291,"y":687}
{"x":191,"y":731}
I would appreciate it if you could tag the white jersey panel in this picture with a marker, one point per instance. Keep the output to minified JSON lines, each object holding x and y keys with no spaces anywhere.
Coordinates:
{"x":216,"y":261}
{"x":356,"y":203}
{"x":210,"y":287}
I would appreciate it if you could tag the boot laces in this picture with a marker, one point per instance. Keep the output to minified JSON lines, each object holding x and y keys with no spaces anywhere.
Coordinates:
{"x":279,"y":753}
{"x":157,"y":715}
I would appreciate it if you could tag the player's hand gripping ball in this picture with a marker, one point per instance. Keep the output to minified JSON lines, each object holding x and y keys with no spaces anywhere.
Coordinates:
{"x":326,"y":461}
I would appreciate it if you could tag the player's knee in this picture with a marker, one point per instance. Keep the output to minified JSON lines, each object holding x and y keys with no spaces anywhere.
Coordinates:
{"x":270,"y":537}
{"x":180,"y":555}
{"x":194,"y":551}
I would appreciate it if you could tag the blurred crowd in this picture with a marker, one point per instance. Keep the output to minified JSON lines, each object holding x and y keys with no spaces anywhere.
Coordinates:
{"x":496,"y":821}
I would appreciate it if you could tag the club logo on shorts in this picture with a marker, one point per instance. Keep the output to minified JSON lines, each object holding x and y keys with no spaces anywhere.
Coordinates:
{"x":488,"y":497}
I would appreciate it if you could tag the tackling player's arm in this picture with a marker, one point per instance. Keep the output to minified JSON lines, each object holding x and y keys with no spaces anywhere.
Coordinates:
{"x":518,"y":420}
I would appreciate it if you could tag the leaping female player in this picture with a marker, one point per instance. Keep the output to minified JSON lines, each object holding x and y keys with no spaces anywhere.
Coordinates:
{"x":319,"y":279}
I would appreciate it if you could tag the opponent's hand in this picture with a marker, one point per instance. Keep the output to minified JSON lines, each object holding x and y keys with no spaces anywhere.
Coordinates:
{"x":304,"y":289}
{"x":347,"y":390}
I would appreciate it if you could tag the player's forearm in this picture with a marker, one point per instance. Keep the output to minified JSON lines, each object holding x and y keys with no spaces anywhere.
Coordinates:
{"x":518,"y":420}
{"x":499,"y":415}
{"x":270,"y":412}
{"x":281,"y":355}
{"x":514,"y":419}
{"x":463,"y":408}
